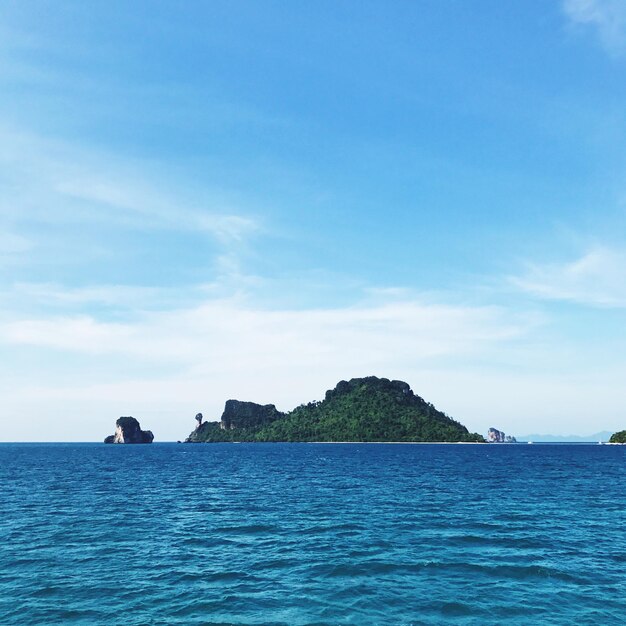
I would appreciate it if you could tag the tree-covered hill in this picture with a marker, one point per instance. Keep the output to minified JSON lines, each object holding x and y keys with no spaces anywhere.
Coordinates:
{"x":619,"y":437}
{"x":362,"y":409}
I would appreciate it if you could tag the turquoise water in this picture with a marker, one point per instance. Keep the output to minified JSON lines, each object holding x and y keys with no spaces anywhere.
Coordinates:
{"x":312,"y":534}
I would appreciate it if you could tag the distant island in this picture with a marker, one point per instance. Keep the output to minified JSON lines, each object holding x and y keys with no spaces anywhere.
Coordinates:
{"x":361,"y":409}
{"x":128,"y":430}
{"x":618,"y":437}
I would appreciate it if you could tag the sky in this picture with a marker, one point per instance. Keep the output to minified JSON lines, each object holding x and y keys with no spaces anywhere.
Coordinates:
{"x":254,"y":200}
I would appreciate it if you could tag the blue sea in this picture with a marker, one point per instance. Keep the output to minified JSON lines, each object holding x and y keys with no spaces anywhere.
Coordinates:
{"x":299,"y":534}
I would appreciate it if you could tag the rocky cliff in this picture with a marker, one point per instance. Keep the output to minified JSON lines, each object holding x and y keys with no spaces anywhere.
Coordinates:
{"x":497,"y":436}
{"x":239,"y":414}
{"x":128,"y":430}
{"x":361,"y":409}
{"x":239,"y":417}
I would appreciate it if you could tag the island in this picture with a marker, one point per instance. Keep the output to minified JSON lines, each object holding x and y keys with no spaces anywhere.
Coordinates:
{"x":128,"y":430}
{"x":361,"y":409}
{"x":618,"y":437}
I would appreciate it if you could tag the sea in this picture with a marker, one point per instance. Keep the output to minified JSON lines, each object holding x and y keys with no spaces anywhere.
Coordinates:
{"x":312,"y":534}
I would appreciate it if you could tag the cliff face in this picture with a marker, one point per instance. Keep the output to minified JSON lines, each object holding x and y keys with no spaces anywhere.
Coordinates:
{"x":497,"y":436}
{"x":128,"y":430}
{"x":361,"y":409}
{"x":239,"y":414}
{"x":239,"y":417}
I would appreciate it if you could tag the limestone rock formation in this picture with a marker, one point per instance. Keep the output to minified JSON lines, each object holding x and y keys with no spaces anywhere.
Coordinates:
{"x":497,"y":436}
{"x":128,"y":430}
{"x":238,"y":414}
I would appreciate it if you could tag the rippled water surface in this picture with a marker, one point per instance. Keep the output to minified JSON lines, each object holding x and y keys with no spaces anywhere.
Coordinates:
{"x":312,"y":534}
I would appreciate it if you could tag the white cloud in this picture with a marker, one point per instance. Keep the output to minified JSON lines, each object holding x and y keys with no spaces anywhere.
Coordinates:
{"x":608,"y":17}
{"x":472,"y":362}
{"x":236,"y":333}
{"x":189,"y":359}
{"x":598,"y":278}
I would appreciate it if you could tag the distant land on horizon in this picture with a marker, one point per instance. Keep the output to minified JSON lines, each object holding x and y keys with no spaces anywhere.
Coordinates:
{"x":603,"y":435}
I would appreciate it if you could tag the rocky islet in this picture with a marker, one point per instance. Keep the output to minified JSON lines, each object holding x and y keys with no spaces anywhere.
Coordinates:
{"x":128,"y":430}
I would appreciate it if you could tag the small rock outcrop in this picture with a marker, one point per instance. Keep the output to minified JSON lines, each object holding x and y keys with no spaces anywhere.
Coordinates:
{"x":128,"y":430}
{"x":199,"y":419}
{"x":497,"y":436}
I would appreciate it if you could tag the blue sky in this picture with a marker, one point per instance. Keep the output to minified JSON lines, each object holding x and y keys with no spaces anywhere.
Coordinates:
{"x":257,"y":199}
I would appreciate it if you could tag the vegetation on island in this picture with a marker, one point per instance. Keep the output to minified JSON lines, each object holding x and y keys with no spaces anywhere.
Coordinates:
{"x":618,"y":437}
{"x":362,"y":409}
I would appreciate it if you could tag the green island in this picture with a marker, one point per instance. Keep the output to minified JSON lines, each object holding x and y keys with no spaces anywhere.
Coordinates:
{"x":361,"y":409}
{"x":618,"y":437}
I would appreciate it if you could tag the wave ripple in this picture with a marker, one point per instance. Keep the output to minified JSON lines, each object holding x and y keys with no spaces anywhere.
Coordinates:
{"x":297,"y":534}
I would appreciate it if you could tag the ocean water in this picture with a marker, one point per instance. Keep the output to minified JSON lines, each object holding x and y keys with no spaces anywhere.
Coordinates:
{"x":300,"y":534}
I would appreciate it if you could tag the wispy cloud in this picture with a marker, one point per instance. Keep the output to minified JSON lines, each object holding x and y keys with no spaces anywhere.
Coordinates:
{"x":76,"y":201}
{"x":239,"y":333}
{"x":126,"y":297}
{"x":13,"y":247}
{"x":52,"y":181}
{"x":607,"y":17}
{"x":597,"y":278}
{"x":76,"y":215}
{"x":152,"y":207}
